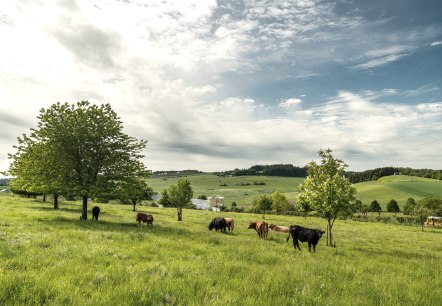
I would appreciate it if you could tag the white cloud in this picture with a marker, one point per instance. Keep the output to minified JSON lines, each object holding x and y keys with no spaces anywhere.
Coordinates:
{"x":436,"y":43}
{"x":290,"y":102}
{"x":164,"y":67}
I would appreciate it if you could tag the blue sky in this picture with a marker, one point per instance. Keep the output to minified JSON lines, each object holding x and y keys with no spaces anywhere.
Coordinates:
{"x":216,"y":85}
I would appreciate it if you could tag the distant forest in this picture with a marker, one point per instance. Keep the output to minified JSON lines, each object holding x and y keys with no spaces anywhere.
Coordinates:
{"x":268,"y":170}
{"x":289,"y":170}
{"x":4,"y":182}
{"x":371,"y":175}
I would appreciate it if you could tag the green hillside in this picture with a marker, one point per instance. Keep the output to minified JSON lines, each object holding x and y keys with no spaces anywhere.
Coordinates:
{"x":241,"y":189}
{"x":398,"y":187}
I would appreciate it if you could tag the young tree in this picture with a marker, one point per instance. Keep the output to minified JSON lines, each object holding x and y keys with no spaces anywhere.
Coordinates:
{"x":86,"y":149}
{"x":421,"y":213}
{"x":409,"y":206}
{"x":180,"y":195}
{"x":136,"y":190}
{"x":165,"y":199}
{"x":263,"y":203}
{"x":279,"y":202}
{"x":393,"y":206}
{"x":326,"y":190}
{"x":375,"y":206}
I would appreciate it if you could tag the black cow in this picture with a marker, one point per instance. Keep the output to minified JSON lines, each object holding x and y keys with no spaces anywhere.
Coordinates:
{"x":304,"y":234}
{"x":95,"y":212}
{"x":218,"y":224}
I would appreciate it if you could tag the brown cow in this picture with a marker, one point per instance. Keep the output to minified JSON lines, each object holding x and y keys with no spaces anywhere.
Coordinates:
{"x":148,"y":219}
{"x":277,"y":228}
{"x":261,"y":227}
{"x":230,"y":223}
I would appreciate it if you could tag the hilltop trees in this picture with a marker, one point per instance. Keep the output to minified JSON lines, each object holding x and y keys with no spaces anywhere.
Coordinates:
{"x":326,"y":190}
{"x":78,"y":149}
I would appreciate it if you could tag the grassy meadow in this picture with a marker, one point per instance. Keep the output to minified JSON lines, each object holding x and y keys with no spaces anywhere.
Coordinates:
{"x":239,"y":189}
{"x":242,"y":190}
{"x":51,"y":257}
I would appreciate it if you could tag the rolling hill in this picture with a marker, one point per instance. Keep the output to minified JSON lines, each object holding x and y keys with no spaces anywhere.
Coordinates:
{"x":243,"y":189}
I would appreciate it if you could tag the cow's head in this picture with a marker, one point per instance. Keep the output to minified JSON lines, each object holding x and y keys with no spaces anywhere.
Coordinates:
{"x":320,"y":232}
{"x":272,"y":226}
{"x":251,"y":225}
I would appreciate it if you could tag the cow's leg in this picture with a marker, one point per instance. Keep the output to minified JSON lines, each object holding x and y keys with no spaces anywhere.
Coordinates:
{"x":309,"y":246}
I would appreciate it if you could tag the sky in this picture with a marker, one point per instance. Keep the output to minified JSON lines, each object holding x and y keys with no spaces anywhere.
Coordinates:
{"x":218,"y":85}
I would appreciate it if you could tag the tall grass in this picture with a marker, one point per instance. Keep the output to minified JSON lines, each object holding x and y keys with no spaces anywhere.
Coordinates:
{"x":51,"y":257}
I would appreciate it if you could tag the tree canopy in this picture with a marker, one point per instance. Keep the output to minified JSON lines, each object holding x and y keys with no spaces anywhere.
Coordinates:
{"x":78,"y":149}
{"x":180,"y":195}
{"x":326,"y":190}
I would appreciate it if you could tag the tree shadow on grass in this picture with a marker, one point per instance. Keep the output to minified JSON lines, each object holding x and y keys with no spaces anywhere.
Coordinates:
{"x":63,"y":209}
{"x":113,"y":226}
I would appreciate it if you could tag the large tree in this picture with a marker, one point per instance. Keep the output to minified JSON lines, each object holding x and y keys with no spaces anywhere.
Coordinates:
{"x":326,"y":190}
{"x":86,"y":149}
{"x":180,"y":195}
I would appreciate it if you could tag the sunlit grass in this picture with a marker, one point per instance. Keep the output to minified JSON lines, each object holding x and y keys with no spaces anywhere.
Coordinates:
{"x":51,"y":257}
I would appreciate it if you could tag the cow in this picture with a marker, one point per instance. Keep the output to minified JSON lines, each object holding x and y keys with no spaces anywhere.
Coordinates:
{"x":304,"y":234}
{"x":277,"y":228}
{"x":261,"y":227}
{"x":95,"y":212}
{"x":148,"y":219}
{"x":218,"y":224}
{"x":230,"y":223}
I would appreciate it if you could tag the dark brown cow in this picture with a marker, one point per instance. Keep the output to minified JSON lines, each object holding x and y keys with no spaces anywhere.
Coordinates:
{"x":261,"y":227}
{"x":148,"y":219}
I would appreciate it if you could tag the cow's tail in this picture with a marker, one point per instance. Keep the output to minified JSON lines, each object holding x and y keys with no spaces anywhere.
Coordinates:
{"x":288,"y":237}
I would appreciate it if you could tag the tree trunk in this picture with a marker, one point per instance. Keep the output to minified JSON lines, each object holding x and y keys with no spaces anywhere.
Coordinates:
{"x":84,"y":212}
{"x":55,"y":201}
{"x":180,"y":213}
{"x":330,"y":235}
{"x":134,"y":203}
{"x":44,"y":197}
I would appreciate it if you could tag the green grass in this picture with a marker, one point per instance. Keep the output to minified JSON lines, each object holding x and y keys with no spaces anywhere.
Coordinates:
{"x":398,"y":187}
{"x":51,"y":257}
{"x":233,"y":188}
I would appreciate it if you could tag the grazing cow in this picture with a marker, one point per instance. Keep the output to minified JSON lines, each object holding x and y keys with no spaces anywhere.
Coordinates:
{"x":95,"y":212}
{"x":230,"y":223}
{"x":261,"y":227}
{"x":148,"y":219}
{"x":218,"y":224}
{"x":277,"y":228}
{"x":304,"y":234}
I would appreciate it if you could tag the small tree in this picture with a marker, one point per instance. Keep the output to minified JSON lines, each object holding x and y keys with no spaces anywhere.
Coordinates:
{"x":375,"y":206}
{"x":327,"y":191}
{"x":136,"y":190}
{"x":180,"y":195}
{"x":263,"y":203}
{"x":365,"y":209}
{"x":421,"y":213}
{"x":392,"y":206}
{"x":165,"y":199}
{"x":279,"y":202}
{"x":409,"y":206}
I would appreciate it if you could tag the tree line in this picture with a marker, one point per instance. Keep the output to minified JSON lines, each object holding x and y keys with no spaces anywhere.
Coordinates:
{"x":287,"y":170}
{"x":374,"y":174}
